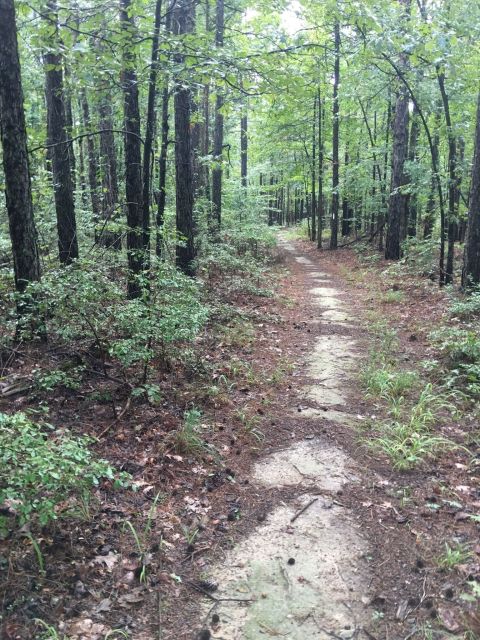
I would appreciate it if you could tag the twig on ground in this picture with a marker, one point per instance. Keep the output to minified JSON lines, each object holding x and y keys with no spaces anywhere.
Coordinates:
{"x":303,"y":509}
{"x":197,"y":587}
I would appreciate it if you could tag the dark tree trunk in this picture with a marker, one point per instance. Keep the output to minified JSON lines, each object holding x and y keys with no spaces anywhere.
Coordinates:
{"x":335,"y":144}
{"x":57,"y":128}
{"x":133,"y":162}
{"x":183,"y":23}
{"x":244,"y":148}
{"x":18,"y":193}
{"x":471,"y":265}
{"x":397,"y":208}
{"x":218,"y":131}
{"x":162,"y":170}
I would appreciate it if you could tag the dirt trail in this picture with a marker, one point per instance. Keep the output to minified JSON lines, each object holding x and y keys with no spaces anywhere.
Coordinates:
{"x":303,"y":574}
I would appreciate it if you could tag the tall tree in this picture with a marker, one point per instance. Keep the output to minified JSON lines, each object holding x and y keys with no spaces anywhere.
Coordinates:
{"x":57,"y":128}
{"x":184,"y":179}
{"x":217,"y":171}
{"x":398,"y":200}
{"x":133,"y":162}
{"x":244,"y":147}
{"x":335,"y":142}
{"x":15,"y":158}
{"x":471,"y":267}
{"x":150,"y":126}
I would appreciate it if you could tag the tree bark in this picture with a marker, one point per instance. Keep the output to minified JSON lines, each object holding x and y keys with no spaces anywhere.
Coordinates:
{"x":244,"y":148}
{"x":18,"y":193}
{"x":412,"y":203}
{"x":184,"y":178}
{"x":314,"y":171}
{"x":447,"y":277}
{"x":335,"y":143}
{"x":218,"y":130}
{"x":133,"y":163}
{"x":471,"y":265}
{"x":398,"y":200}
{"x":57,"y":128}
{"x":320,"y":212}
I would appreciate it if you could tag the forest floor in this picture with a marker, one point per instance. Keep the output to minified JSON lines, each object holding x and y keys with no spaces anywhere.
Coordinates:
{"x":296,"y":528}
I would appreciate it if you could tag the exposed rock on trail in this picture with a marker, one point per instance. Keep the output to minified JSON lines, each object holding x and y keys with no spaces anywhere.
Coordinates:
{"x":303,"y":572}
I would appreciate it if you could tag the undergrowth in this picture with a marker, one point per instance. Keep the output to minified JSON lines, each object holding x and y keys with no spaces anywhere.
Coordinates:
{"x":414,"y":408}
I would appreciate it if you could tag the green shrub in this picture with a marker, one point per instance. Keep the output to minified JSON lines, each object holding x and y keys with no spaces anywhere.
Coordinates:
{"x":468,"y":307}
{"x":85,"y":302}
{"x":41,"y":467}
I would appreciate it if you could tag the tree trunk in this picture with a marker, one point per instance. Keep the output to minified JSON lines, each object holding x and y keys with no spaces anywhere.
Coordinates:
{"x":335,"y":143}
{"x":447,"y":277}
{"x":412,"y":202}
{"x":471,"y":265}
{"x":398,"y":200}
{"x":133,"y":162}
{"x":320,"y":212}
{"x":57,"y":129}
{"x":108,"y":173}
{"x":183,"y":23}
{"x":244,"y":148}
{"x":314,"y":171}
{"x":346,"y":209}
{"x":92,"y":164}
{"x":150,"y":128}
{"x":18,"y":193}
{"x":218,"y":132}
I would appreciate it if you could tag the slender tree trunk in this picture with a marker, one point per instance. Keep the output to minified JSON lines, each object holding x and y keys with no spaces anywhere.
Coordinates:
{"x":133,"y":162}
{"x":18,"y":193}
{"x":183,"y":23}
{"x":320,"y":212}
{"x":218,"y":132}
{"x":57,"y":128}
{"x":314,"y":171}
{"x":382,"y":218}
{"x":447,"y":277}
{"x":244,"y":148}
{"x":92,"y":163}
{"x":335,"y":143}
{"x":150,"y":128}
{"x":429,"y":219}
{"x":471,"y":265}
{"x":412,"y":202}
{"x":108,"y":174}
{"x":346,"y":222}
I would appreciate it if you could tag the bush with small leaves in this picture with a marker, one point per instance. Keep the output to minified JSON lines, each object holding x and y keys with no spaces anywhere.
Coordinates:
{"x":42,"y":467}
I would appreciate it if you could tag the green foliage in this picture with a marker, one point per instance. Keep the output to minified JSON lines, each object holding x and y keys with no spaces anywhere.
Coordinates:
{"x":84,"y":302}
{"x":461,"y":357}
{"x":188,"y":438}
{"x":409,"y":440}
{"x":41,"y":467}
{"x":467,"y":308}
{"x":386,"y":383}
{"x":454,"y":556}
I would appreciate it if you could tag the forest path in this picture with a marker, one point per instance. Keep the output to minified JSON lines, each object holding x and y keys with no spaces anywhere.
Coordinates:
{"x":302,"y":573}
